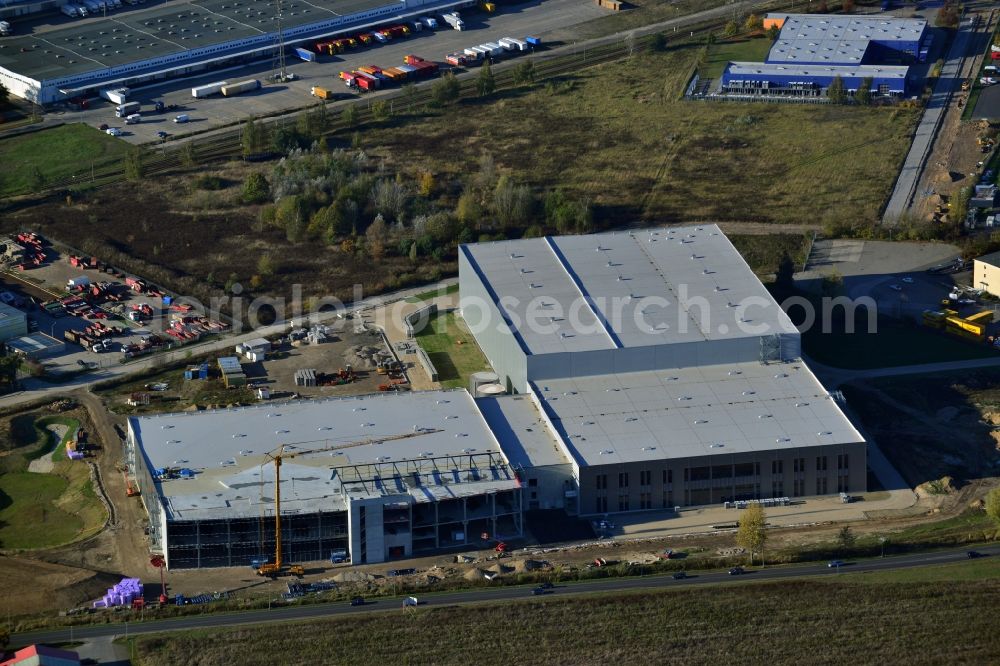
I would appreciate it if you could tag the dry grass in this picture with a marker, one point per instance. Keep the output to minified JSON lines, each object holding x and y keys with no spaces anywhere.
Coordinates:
{"x":620,"y":136}
{"x":796,"y":622}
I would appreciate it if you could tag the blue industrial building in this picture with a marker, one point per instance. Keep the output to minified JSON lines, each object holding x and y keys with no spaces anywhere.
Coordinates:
{"x":812,"y":50}
{"x":181,"y":38}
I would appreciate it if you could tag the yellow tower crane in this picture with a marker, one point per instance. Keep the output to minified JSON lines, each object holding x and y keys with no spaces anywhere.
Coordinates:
{"x":278,"y":568}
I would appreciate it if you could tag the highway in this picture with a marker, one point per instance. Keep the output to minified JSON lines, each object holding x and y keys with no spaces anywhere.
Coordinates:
{"x":819,"y":570}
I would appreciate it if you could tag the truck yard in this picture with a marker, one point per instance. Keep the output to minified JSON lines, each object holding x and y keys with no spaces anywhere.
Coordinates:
{"x":103,"y":315}
{"x":546,"y":19}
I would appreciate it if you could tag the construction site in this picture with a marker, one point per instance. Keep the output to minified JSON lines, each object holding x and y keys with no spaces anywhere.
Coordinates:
{"x":367,"y":478}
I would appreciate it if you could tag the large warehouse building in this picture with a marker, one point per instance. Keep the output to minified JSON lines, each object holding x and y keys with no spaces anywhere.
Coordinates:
{"x":667,"y":372}
{"x":372,"y":478}
{"x":645,"y":370}
{"x":179,"y":38}
{"x":812,"y":49}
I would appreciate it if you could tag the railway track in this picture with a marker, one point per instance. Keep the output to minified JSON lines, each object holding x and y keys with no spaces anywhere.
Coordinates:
{"x":226,"y":145}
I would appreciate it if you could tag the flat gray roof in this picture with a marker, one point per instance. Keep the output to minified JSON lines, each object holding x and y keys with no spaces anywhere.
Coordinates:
{"x":751,"y":69}
{"x":627,"y":289}
{"x":9,"y":311}
{"x":34,"y":343}
{"x":132,"y":35}
{"x":226,"y":448}
{"x":524,"y":436}
{"x":822,"y":38}
{"x":698,"y":411}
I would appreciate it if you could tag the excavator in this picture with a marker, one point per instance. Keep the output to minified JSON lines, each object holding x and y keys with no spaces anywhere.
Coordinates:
{"x":278,"y":567}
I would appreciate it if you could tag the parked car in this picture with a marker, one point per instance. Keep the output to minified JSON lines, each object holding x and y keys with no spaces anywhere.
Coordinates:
{"x":736,"y":571}
{"x":113,"y":131}
{"x":908,"y":280}
{"x":103,"y":127}
{"x":835,"y":564}
{"x":162,"y":135}
{"x":680,"y":575}
{"x":895,"y":287}
{"x":358,"y":601}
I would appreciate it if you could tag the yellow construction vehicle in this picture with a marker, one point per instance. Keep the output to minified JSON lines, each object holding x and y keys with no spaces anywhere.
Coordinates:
{"x":278,"y":567}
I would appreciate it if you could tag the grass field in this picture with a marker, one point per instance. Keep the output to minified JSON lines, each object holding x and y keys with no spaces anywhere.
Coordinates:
{"x":53,"y":154}
{"x":742,"y":50}
{"x":633,"y":148}
{"x":43,"y":510}
{"x":452,"y":350}
{"x":855,"y":620}
{"x":29,"y":514}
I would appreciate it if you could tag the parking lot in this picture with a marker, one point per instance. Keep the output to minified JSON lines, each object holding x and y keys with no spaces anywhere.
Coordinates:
{"x":48,"y":281}
{"x":544,"y":18}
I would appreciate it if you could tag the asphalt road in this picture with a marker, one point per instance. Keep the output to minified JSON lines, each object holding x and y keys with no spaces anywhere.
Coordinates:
{"x":495,"y":595}
{"x":35,"y":389}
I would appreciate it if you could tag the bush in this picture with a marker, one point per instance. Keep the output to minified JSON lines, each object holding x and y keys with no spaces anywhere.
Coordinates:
{"x":209,"y":182}
{"x":256,"y":189}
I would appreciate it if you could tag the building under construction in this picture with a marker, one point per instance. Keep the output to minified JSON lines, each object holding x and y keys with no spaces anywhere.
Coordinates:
{"x":368,"y":479}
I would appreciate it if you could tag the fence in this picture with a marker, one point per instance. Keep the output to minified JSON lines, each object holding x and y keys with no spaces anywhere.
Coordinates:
{"x":423,"y":314}
{"x":428,"y":366}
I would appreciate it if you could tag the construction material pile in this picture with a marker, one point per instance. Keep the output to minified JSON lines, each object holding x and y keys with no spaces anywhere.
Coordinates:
{"x":362,"y":357}
{"x":122,"y":594}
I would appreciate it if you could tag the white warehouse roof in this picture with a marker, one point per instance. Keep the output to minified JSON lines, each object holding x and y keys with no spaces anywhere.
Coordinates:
{"x":227,"y":450}
{"x":695,"y":411}
{"x":838,"y":39}
{"x":626,"y":289}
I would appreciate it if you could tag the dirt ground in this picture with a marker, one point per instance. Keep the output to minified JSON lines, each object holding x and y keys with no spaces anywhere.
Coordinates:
{"x":952,"y":164}
{"x":339,"y":351}
{"x":954,"y":154}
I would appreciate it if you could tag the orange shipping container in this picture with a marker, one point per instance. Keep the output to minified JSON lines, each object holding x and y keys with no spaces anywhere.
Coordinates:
{"x":774,"y":21}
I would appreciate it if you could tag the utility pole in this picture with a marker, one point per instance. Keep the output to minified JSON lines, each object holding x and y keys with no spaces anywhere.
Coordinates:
{"x":278,"y":64}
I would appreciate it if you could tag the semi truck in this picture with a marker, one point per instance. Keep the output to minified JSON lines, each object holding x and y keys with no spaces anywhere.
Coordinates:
{"x":429,"y":22}
{"x":208,"y":89}
{"x":127,"y":109}
{"x":233,"y":89}
{"x":115,"y":95}
{"x":454,"y":20}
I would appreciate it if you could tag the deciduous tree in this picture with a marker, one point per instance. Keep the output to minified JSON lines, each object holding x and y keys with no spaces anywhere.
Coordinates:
{"x":485,"y":83}
{"x":752,"y":533}
{"x":836,"y":92}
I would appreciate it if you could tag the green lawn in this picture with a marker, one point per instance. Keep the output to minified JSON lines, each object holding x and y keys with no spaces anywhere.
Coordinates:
{"x":54,"y":154}
{"x":44,"y":510}
{"x":29,"y":515}
{"x":741,"y":50}
{"x":452,"y":350}
{"x":847,"y":620}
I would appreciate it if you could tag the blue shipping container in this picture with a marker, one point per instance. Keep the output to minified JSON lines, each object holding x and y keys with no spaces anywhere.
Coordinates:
{"x":306,"y":55}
